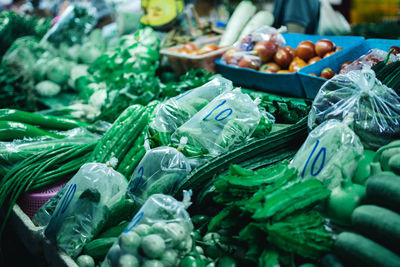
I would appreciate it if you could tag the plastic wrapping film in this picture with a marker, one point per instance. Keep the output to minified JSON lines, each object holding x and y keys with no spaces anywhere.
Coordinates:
{"x":330,"y":153}
{"x":226,"y":121}
{"x":368,"y":60}
{"x":81,"y":16}
{"x":374,"y":107}
{"x":159,"y":171}
{"x":158,"y":235}
{"x":268,"y":38}
{"x":83,"y":206}
{"x":177,"y":110}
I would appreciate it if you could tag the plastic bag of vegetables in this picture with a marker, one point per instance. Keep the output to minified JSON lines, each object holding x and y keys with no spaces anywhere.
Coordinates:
{"x":159,"y":171}
{"x":226,"y":121}
{"x":177,"y":110}
{"x":368,"y":60}
{"x":75,"y":23}
{"x":84,"y":206}
{"x":375,"y":107}
{"x":158,"y":235}
{"x":330,"y":153}
{"x":255,"y":48}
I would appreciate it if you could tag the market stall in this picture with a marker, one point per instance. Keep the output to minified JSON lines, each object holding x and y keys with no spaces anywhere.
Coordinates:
{"x":164,"y":133}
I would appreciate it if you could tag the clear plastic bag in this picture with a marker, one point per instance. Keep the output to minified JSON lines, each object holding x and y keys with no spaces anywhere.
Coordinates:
{"x":159,"y":171}
{"x":256,"y":48}
{"x":75,"y":23}
{"x":83,"y":206}
{"x":177,"y":110}
{"x":330,"y":153}
{"x":368,"y":60}
{"x":226,"y":121}
{"x":374,"y":107}
{"x":158,"y":235}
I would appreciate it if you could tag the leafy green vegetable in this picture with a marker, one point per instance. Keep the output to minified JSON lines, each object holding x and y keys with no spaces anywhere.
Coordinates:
{"x":13,"y":26}
{"x":75,"y":27}
{"x":269,"y":213}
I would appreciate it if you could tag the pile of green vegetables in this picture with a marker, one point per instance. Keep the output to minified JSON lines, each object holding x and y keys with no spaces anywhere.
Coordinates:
{"x":268,"y":215}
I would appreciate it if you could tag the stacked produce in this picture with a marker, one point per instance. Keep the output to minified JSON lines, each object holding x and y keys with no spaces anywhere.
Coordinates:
{"x":266,"y":180}
{"x":264,"y":50}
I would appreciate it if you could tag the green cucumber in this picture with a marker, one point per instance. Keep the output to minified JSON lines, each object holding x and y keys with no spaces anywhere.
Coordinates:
{"x":291,"y":138}
{"x":98,"y":248}
{"x":383,"y":189}
{"x":114,"y":231}
{"x":379,"y":224}
{"x":361,"y":251}
{"x":122,"y":210}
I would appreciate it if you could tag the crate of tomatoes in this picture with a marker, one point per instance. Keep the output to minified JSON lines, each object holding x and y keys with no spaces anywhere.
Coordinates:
{"x":198,"y":55}
{"x":367,"y":53}
{"x":269,"y":61}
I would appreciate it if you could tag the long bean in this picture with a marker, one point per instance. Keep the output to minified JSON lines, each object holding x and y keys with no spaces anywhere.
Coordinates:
{"x":41,"y":170}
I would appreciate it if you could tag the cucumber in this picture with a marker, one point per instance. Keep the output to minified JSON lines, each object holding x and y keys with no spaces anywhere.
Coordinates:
{"x":98,"y":248}
{"x":330,"y":260}
{"x":383,"y":189}
{"x":379,"y":224}
{"x":287,"y":139}
{"x":361,"y":251}
{"x":122,"y":210}
{"x":114,"y":231}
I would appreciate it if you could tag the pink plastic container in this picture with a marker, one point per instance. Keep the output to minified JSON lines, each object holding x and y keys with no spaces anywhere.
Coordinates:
{"x":31,"y":202}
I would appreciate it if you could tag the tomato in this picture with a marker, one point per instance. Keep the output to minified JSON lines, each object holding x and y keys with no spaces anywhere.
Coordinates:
{"x":338,"y":48}
{"x":327,"y":73}
{"x":291,"y":50}
{"x":329,"y":54}
{"x":284,"y":71}
{"x":283,"y":57}
{"x":270,"y":67}
{"x":175,"y":50}
{"x":265,"y":50}
{"x":313,"y":60}
{"x":305,"y":50}
{"x":207,"y":49}
{"x":396,"y":50}
{"x":189,"y":48}
{"x":312,"y":74}
{"x":344,"y":65}
{"x":248,"y":61}
{"x":232,"y":56}
{"x":297,"y":64}
{"x":324,"y":46}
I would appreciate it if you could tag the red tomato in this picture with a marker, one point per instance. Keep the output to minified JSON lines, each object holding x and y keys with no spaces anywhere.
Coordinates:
{"x":327,"y":73}
{"x":207,"y":49}
{"x":189,"y":48}
{"x":324,"y":46}
{"x":248,"y":61}
{"x":283,"y":57}
{"x":305,"y":50}
{"x":232,"y":56}
{"x":313,"y":60}
{"x":291,"y":50}
{"x":270,"y":67}
{"x":265,"y":50}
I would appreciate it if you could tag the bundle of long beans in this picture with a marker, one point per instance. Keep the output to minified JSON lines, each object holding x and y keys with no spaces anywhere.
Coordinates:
{"x":40,"y":170}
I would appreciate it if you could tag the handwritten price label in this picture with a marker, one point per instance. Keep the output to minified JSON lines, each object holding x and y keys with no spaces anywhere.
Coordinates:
{"x":321,"y":153}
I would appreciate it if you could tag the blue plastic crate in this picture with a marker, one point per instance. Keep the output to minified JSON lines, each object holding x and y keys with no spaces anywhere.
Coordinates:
{"x":283,"y":84}
{"x":312,"y":84}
